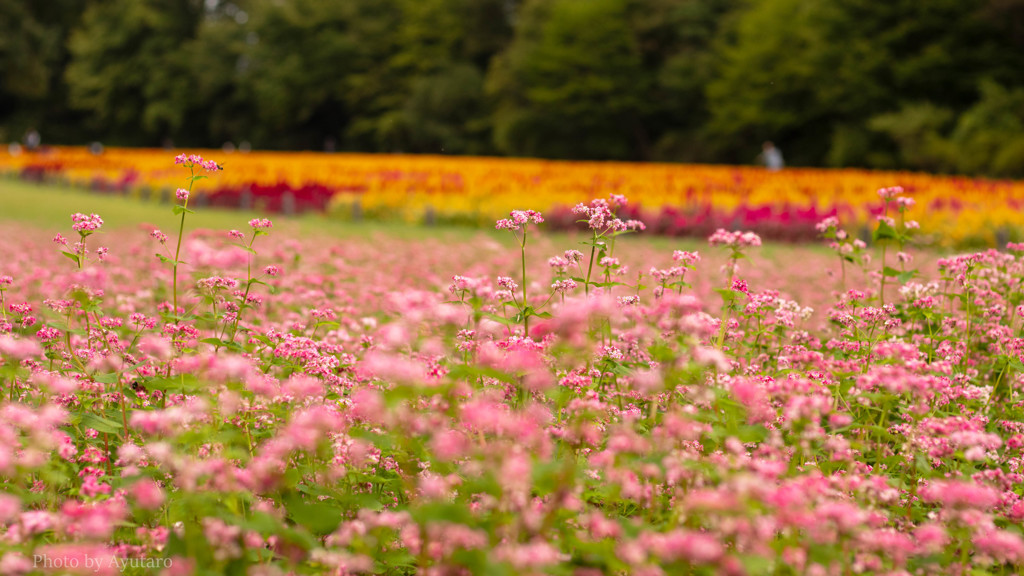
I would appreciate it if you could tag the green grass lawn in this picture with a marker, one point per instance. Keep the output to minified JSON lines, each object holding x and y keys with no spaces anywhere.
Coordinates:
{"x":50,"y":206}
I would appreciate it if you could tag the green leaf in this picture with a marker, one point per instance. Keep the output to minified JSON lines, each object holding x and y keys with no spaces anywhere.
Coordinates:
{"x":320,"y":518}
{"x":728,"y":295}
{"x":109,"y":378}
{"x":100,"y":424}
{"x":752,"y":433}
{"x":884,"y":232}
{"x":443,"y":512}
{"x":907,"y":276}
{"x":257,"y":522}
{"x":468,"y":372}
{"x":73,"y":257}
{"x":499,"y":319}
{"x":167,"y":260}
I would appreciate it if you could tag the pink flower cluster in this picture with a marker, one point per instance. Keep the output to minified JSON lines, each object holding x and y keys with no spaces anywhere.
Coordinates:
{"x":890,"y":193}
{"x":600,"y":215}
{"x":86,"y":223}
{"x":519,"y":218}
{"x":723,"y":237}
{"x":363,"y":413}
{"x":192,"y":160}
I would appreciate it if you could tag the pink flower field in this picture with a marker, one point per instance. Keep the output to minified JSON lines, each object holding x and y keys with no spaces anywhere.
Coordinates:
{"x":178,"y":401}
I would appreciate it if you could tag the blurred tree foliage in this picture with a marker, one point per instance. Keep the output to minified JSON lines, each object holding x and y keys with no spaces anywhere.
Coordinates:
{"x":571,"y":84}
{"x":935,"y":85}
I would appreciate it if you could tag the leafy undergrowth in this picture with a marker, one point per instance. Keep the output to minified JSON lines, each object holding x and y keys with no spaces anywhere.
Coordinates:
{"x":246,"y":405}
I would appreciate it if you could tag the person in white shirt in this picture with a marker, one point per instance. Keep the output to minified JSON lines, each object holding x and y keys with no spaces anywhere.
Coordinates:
{"x":771,"y":156}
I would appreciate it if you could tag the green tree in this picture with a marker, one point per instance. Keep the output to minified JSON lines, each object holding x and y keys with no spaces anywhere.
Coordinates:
{"x":677,"y":44}
{"x":918,"y":131}
{"x":571,"y":84}
{"x":32,"y":59}
{"x":989,"y":136}
{"x":446,"y":49}
{"x":128,"y":68}
{"x":299,"y":56}
{"x":794,"y":71}
{"x":221,"y":91}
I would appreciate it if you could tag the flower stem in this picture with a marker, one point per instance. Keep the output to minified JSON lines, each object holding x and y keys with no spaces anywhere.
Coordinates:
{"x":177,"y":250}
{"x":590,"y":267}
{"x":526,"y":314}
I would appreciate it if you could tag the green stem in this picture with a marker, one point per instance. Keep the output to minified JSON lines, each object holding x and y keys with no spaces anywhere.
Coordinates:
{"x":245,"y":296}
{"x":725,"y":324}
{"x":526,"y":314}
{"x":881,"y":288}
{"x":967,"y":348}
{"x":590,"y":267}
{"x":177,"y":250}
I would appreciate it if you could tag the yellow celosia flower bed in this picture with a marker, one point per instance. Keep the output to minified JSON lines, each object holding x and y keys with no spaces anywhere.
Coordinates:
{"x":675,"y":198}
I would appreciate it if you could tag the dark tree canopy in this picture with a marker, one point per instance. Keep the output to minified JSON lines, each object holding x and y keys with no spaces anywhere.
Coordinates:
{"x":931,"y":85}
